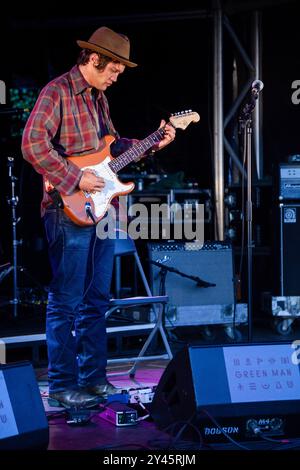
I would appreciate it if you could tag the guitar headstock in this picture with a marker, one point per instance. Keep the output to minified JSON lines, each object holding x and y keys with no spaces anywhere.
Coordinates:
{"x":182,"y":119}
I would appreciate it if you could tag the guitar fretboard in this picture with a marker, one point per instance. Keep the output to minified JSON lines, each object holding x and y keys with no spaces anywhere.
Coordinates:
{"x":136,"y":151}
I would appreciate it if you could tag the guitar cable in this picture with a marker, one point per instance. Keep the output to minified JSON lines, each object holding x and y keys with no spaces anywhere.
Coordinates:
{"x":89,"y":213}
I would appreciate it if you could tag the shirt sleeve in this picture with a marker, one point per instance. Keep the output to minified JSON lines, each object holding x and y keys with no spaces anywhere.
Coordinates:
{"x":37,"y":147}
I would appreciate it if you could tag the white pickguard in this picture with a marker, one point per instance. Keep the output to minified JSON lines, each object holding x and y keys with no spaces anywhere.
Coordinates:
{"x":112,"y":187}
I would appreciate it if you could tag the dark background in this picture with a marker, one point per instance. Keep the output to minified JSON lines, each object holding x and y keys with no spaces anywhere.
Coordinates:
{"x":174,"y":50}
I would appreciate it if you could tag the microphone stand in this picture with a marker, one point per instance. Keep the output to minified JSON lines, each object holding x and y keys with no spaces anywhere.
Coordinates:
{"x":15,"y":268}
{"x":165,"y":269}
{"x":13,"y":201}
{"x":245,"y":123}
{"x":162,"y":287}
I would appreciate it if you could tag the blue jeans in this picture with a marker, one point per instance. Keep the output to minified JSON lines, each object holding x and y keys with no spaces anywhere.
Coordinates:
{"x":78,"y":298}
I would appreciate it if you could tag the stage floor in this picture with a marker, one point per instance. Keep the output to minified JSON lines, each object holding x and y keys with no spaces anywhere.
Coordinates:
{"x":102,"y":436}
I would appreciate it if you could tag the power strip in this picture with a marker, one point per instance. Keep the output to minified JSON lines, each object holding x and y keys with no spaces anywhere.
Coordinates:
{"x":119,"y":414}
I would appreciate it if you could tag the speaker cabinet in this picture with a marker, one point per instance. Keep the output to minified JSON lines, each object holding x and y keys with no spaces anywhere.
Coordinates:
{"x":190,"y":304}
{"x":212,"y":263}
{"x":289,"y":249}
{"x":231,"y":385}
{"x":23,"y":422}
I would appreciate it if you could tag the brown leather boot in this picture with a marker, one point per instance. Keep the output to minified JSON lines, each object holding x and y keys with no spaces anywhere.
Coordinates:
{"x":74,"y":399}
{"x":103,"y":390}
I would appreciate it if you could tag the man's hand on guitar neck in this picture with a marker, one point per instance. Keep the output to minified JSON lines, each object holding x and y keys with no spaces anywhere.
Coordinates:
{"x":90,"y":182}
{"x":169,"y":136}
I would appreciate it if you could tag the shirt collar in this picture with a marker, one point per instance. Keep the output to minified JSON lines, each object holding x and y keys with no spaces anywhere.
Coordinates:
{"x":78,"y":81}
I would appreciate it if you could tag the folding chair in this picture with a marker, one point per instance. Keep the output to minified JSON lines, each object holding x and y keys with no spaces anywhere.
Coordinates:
{"x":124,"y":245}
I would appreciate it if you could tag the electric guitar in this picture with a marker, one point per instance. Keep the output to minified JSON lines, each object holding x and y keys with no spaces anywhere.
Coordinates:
{"x":85,"y":208}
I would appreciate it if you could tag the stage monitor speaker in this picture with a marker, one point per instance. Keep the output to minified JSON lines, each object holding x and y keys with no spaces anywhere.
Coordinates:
{"x":23,"y":421}
{"x":289,"y":251}
{"x":211,"y":262}
{"x":233,"y":386}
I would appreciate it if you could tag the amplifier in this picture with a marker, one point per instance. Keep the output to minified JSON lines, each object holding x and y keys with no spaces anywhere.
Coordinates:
{"x":289,"y":181}
{"x":289,"y":251}
{"x":191,"y":302}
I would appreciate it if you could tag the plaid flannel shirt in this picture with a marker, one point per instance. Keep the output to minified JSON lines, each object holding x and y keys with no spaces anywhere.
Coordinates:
{"x":66,"y":120}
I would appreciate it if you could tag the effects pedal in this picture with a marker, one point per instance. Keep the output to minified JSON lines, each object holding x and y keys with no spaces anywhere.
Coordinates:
{"x":78,"y":417}
{"x":119,"y":414}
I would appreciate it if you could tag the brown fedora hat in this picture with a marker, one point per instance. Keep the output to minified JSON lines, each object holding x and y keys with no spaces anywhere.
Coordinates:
{"x":109,"y":43}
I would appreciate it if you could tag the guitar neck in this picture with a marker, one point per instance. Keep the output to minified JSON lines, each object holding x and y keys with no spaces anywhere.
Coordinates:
{"x":136,"y":151}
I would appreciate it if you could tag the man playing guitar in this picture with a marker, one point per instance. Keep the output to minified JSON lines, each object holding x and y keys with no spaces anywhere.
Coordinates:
{"x":70,"y":122}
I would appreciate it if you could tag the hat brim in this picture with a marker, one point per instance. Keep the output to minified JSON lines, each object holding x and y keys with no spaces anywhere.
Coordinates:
{"x":102,"y":50}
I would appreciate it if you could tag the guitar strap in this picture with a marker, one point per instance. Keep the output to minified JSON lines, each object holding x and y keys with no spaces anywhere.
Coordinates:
{"x":54,"y":194}
{"x":56,"y":198}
